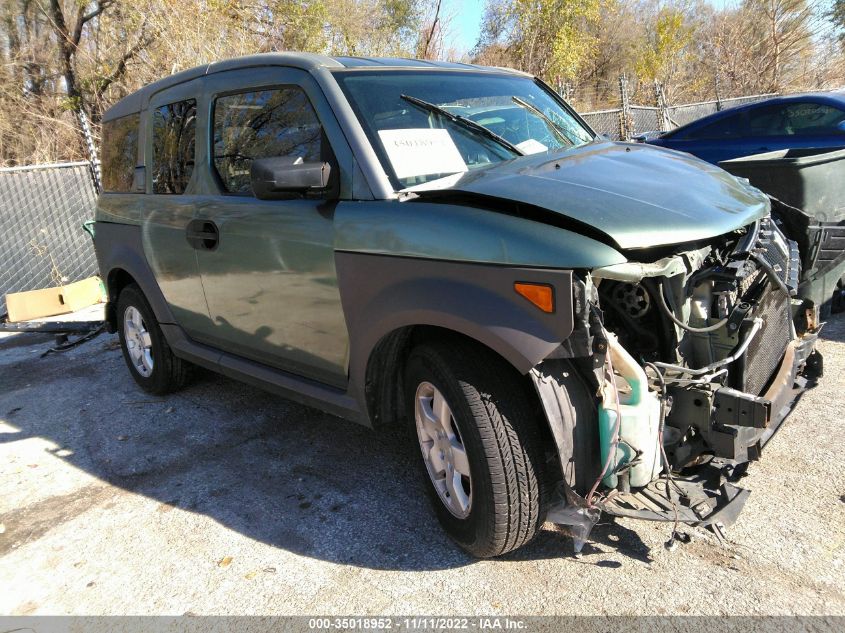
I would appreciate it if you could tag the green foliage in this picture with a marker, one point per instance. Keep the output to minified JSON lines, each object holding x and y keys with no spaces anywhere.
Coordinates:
{"x":665,"y":46}
{"x":551,"y":38}
{"x":304,"y":23}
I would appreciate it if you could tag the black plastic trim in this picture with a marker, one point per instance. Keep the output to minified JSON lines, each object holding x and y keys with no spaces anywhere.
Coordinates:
{"x":119,"y":247}
{"x":308,"y":392}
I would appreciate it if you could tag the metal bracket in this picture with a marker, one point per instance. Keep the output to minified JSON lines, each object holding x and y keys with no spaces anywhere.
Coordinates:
{"x":735,"y":408}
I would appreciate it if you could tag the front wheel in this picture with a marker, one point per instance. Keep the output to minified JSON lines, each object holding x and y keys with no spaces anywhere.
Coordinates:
{"x":480,"y":445}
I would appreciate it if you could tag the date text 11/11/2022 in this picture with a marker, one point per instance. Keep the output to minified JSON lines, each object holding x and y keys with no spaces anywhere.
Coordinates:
{"x":417,"y":623}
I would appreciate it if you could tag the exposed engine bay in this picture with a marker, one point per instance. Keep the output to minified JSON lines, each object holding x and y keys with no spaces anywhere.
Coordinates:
{"x":697,"y":357}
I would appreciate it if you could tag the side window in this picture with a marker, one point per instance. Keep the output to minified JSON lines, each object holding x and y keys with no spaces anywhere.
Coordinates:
{"x":120,"y":153}
{"x":814,"y":118}
{"x":262,"y":124}
{"x":722,"y":128}
{"x":174,"y":145}
{"x":769,"y":121}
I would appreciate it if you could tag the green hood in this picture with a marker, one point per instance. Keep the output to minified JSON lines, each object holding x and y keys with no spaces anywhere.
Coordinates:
{"x":638,"y":195}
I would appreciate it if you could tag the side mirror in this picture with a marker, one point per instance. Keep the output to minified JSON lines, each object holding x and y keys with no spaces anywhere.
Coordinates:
{"x":278,"y":177}
{"x":841,"y":126}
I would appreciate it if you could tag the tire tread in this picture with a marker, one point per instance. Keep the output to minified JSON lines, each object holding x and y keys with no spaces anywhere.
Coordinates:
{"x":510,"y":437}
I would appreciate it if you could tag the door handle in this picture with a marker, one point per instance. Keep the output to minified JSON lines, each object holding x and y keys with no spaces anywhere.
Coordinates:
{"x":203,"y":235}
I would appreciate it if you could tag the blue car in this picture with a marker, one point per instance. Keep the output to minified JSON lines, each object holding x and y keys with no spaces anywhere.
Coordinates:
{"x":796,"y":121}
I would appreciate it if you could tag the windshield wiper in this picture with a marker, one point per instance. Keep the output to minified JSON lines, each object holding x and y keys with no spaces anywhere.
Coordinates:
{"x":465,"y":122}
{"x":552,"y":125}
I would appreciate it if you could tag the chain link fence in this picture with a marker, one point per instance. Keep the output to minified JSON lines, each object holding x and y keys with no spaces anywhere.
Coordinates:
{"x":626,"y":122}
{"x":681,"y":115}
{"x":42,"y":242}
{"x":607,"y":122}
{"x":643,"y":119}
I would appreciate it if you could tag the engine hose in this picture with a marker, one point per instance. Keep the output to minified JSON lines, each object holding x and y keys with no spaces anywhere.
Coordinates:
{"x":701,"y":330}
{"x":666,"y":465}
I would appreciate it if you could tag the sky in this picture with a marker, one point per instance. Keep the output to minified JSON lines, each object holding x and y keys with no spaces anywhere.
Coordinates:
{"x":466,"y":20}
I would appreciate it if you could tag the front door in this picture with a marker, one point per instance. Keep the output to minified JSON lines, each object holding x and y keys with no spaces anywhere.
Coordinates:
{"x":268,"y":270}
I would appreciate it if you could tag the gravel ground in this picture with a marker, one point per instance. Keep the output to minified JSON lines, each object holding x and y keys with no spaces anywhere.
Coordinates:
{"x":225,"y":500}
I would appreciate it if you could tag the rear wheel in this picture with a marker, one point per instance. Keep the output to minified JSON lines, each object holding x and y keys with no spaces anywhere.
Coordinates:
{"x":145,"y":350}
{"x":480,"y":445}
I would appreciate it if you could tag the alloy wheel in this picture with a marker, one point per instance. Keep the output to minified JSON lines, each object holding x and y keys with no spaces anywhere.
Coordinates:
{"x":139,"y":344}
{"x":443,"y":450}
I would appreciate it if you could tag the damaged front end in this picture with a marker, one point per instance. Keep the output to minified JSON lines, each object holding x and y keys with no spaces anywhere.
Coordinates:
{"x":693,"y":359}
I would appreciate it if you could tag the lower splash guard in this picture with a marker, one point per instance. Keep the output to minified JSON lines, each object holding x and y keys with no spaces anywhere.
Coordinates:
{"x":706,"y":498}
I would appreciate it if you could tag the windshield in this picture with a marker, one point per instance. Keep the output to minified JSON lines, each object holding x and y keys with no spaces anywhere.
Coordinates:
{"x":494,"y":118}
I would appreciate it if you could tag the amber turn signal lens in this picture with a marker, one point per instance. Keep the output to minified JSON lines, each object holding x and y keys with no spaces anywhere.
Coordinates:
{"x":541,"y":295}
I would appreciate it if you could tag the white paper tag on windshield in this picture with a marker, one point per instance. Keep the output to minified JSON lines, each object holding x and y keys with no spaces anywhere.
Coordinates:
{"x":531,"y":147}
{"x":421,"y":151}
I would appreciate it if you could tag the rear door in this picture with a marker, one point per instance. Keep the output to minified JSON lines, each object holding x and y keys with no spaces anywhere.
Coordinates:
{"x":171,"y":124}
{"x":269,"y":273}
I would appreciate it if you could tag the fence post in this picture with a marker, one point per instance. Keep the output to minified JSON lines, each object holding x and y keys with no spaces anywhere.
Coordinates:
{"x":662,"y":110}
{"x":568,"y":91}
{"x":718,"y":92}
{"x":92,"y":148}
{"x":625,"y":119}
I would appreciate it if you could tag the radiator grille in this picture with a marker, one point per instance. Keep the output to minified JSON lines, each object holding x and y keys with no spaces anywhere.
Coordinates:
{"x":767,"y":349}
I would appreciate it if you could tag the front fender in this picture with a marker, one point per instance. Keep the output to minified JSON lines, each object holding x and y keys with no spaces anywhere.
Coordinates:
{"x":381,"y":294}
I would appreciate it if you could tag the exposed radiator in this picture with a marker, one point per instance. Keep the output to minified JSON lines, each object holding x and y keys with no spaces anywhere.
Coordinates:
{"x":766,"y":350}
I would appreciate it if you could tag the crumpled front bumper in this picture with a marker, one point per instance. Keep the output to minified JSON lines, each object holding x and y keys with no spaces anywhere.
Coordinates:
{"x":708,"y":497}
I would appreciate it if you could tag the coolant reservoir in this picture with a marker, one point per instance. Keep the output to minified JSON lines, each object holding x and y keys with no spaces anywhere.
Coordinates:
{"x":638,"y":430}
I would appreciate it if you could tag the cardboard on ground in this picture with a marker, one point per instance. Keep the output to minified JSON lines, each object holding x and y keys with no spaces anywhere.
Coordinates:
{"x":34,"y":304}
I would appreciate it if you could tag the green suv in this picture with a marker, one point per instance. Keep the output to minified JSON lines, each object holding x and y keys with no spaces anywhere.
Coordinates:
{"x":558,"y":321}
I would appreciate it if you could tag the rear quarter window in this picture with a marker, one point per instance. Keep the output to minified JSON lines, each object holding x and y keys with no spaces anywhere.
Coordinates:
{"x":803,"y":118}
{"x":174,"y":146}
{"x":119,"y":153}
{"x":814,"y":118}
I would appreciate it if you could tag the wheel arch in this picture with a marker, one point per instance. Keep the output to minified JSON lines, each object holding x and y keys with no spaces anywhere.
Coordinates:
{"x":116,"y":280}
{"x":394,"y":304}
{"x":385,"y":381}
{"x":120,"y":255}
{"x":385,"y":299}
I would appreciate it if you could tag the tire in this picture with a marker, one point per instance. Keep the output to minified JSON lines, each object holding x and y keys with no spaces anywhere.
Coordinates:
{"x":837,"y":303}
{"x":159,"y":372}
{"x":495,"y":424}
